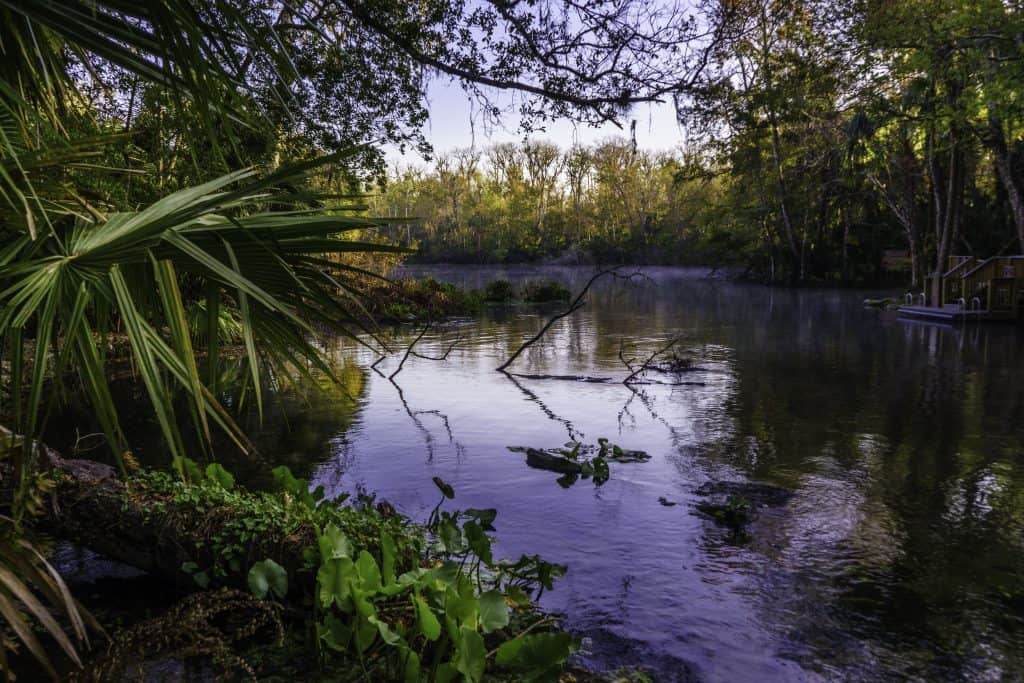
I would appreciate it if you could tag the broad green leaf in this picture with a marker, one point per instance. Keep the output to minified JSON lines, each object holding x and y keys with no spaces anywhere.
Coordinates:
{"x":387,"y":558}
{"x":478,"y":541}
{"x":268,"y":577}
{"x":471,"y":657}
{"x":386,"y":634}
{"x":285,"y":481}
{"x":462,"y":608}
{"x":334,"y":580}
{"x":412,"y":666}
{"x":365,"y":606}
{"x":450,"y":535}
{"x":536,"y":656}
{"x":369,"y":573}
{"x":334,"y":632}
{"x":446,"y":672}
{"x":425,"y":618}
{"x":484,"y":517}
{"x":366,"y":633}
{"x":334,"y":543}
{"x":493,"y":611}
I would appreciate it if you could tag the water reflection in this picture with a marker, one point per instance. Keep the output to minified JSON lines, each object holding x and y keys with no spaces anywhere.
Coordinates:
{"x":900,"y":554}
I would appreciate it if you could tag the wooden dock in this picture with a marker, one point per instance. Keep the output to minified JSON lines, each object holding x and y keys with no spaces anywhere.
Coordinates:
{"x":951,"y":313}
{"x":971,"y":289}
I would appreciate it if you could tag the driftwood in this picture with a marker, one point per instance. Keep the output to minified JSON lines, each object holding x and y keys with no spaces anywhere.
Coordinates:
{"x":566,"y":378}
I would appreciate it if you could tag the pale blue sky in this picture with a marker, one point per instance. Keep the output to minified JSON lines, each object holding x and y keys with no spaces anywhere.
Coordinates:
{"x":455,"y":122}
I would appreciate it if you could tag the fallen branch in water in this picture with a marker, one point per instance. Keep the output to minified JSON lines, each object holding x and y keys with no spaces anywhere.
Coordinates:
{"x":667,"y":384}
{"x":408,"y":350}
{"x":636,"y":371}
{"x":576,"y":304}
{"x":411,"y":351}
{"x":443,"y":356}
{"x":567,"y":378}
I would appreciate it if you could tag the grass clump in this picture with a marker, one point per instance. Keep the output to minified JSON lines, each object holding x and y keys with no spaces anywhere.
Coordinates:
{"x":412,"y":300}
{"x":544,"y":291}
{"x":499,"y":291}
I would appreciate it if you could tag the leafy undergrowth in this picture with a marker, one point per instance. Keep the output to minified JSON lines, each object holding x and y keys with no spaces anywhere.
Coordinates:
{"x":427,"y":299}
{"x":415,"y":300}
{"x":499,"y":292}
{"x":545,"y":291}
{"x":365,"y":590}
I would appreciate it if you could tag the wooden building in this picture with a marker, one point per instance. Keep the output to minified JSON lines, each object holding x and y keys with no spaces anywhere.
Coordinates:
{"x":972,"y":289}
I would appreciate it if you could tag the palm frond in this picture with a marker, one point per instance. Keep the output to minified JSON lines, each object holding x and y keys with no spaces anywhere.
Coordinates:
{"x":268,"y":266}
{"x":31,"y":593}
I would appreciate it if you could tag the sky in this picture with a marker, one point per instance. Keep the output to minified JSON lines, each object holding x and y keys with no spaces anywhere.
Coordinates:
{"x":454,"y":123}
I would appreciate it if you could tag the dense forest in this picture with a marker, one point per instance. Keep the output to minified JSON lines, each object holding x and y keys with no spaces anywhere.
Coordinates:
{"x":820,"y":135}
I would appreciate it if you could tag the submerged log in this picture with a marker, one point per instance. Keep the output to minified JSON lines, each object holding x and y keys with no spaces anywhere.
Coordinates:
{"x":543,"y":460}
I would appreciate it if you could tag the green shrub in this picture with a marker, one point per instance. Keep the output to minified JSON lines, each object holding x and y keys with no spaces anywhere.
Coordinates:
{"x":545,"y":291}
{"x":499,"y":291}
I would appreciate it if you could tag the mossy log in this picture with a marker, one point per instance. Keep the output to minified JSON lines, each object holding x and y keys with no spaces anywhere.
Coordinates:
{"x":95,"y":508}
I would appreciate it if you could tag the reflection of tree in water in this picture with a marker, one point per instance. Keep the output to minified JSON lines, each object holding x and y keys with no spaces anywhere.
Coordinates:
{"x":414,"y":415}
{"x":574,"y":434}
{"x":907,"y":453}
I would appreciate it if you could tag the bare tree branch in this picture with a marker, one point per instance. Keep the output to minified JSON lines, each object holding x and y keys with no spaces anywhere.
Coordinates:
{"x":576,"y":305}
{"x":646,"y":365}
{"x":409,"y":350}
{"x":443,"y":356}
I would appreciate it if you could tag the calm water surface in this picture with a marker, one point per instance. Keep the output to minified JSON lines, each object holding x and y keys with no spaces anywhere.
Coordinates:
{"x":901,"y":554}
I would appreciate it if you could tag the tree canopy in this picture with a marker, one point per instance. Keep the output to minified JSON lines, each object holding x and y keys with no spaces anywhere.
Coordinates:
{"x":817,"y":136}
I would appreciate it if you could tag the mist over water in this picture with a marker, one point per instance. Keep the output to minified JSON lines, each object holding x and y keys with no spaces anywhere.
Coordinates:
{"x":900,"y":554}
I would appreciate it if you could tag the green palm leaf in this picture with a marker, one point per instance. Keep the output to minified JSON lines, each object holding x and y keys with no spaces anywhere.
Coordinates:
{"x":269,"y":266}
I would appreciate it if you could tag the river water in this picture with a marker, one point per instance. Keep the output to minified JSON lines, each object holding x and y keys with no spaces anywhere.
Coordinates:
{"x":899,"y":556}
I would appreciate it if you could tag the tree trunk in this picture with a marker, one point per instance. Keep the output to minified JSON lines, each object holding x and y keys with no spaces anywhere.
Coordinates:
{"x":947,"y":196}
{"x":783,"y":194}
{"x":1004,"y":169}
